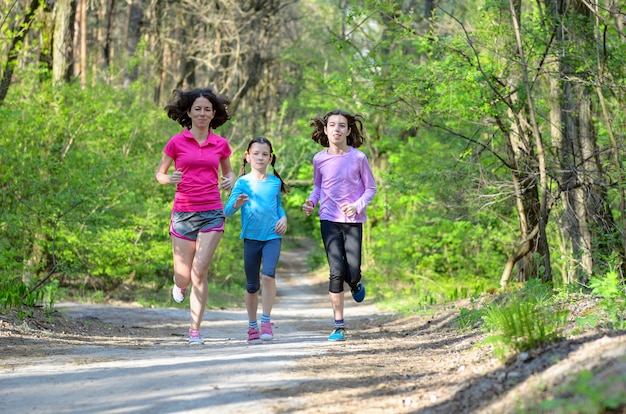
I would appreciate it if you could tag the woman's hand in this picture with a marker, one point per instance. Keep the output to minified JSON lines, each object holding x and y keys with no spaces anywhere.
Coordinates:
{"x":176,"y":177}
{"x":226,"y":183}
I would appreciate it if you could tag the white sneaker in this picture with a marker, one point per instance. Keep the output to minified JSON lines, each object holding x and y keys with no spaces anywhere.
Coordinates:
{"x":178,"y":294}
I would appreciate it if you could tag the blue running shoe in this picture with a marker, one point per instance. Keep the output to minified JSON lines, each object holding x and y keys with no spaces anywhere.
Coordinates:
{"x":359,"y":294}
{"x":339,"y":334}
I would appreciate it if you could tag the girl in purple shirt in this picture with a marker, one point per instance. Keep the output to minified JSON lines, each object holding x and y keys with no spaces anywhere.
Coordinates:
{"x":344,"y":185}
{"x":197,"y":221}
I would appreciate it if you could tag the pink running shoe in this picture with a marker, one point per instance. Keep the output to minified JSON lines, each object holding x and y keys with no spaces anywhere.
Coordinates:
{"x":194,"y":337}
{"x":267,"y":333}
{"x":253,"y":336}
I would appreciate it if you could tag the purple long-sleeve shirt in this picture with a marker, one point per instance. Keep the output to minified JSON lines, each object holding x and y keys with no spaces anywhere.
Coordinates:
{"x":341,"y":178}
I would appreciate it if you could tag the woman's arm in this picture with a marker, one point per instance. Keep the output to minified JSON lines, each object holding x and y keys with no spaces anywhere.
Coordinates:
{"x":161,"y":175}
{"x":228,"y":175}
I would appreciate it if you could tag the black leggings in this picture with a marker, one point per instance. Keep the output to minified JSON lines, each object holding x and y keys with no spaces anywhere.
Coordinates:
{"x":342,"y":242}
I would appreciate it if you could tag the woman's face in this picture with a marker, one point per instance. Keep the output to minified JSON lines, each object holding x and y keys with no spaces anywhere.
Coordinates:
{"x":201,"y":113}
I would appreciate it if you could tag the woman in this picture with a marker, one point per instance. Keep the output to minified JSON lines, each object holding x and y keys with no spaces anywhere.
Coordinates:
{"x":197,"y":222}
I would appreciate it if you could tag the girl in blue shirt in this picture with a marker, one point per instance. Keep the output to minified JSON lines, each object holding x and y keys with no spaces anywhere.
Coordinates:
{"x":263,"y":223}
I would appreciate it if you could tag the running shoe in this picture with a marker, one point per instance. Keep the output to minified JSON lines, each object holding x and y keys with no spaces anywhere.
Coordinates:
{"x":194,"y":337}
{"x":253,"y":336}
{"x":178,"y":294}
{"x":339,"y":334}
{"x":359,"y":294}
{"x":267,"y":334}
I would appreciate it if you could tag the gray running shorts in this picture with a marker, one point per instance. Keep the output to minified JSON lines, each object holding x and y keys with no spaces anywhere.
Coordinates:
{"x":187,"y":224}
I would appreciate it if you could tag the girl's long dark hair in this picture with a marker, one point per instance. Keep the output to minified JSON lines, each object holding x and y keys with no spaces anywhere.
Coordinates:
{"x":263,"y":140}
{"x":355,"y":123}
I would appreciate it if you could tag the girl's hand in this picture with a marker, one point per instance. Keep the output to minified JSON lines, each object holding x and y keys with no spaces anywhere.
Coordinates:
{"x":308,"y":207}
{"x":281,"y":226}
{"x":348,"y":209}
{"x":241,"y":200}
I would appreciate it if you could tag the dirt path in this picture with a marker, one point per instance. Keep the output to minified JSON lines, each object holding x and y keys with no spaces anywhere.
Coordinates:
{"x":120,"y":359}
{"x":153,"y":369}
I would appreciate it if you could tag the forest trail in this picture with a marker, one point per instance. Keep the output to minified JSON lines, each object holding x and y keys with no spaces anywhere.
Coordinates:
{"x":154,"y":370}
{"x":123,"y":359}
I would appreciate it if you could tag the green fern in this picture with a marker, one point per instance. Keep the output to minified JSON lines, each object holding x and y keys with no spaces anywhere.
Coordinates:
{"x":523,"y":322}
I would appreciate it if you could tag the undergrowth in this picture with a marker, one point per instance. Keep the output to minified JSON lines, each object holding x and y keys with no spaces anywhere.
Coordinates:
{"x":534,"y":315}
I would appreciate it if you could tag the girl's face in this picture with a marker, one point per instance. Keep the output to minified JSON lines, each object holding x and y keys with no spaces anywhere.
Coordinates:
{"x":337,"y":130}
{"x":259,"y":156}
{"x":201,"y":113}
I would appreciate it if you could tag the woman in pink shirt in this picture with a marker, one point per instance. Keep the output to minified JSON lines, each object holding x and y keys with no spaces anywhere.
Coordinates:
{"x":344,"y":185}
{"x":197,"y":221}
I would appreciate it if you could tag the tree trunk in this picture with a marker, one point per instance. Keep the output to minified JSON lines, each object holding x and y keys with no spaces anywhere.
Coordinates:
{"x":133,"y":35}
{"x":607,"y":117}
{"x":9,"y":64}
{"x":104,"y":28}
{"x":526,"y":155}
{"x":601,"y":224}
{"x":587,"y":221}
{"x":621,"y":182}
{"x":82,"y":43}
{"x":429,"y":8}
{"x":159,"y":48}
{"x":62,"y":43}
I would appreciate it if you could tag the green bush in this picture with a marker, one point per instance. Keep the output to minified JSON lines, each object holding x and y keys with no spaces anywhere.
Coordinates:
{"x":612,"y":291}
{"x":79,"y":195}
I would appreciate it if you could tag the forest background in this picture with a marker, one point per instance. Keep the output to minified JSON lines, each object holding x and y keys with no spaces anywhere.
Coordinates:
{"x":495,"y":130}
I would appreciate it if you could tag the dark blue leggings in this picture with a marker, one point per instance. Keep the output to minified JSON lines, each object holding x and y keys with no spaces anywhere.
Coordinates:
{"x":342,"y":242}
{"x":256,"y":252}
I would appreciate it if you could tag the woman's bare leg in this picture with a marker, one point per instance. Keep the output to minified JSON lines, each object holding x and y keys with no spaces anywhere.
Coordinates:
{"x":184,"y":251}
{"x":193,"y":260}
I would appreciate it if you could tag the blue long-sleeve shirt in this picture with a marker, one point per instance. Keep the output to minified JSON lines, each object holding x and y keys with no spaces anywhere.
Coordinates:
{"x":262,"y":211}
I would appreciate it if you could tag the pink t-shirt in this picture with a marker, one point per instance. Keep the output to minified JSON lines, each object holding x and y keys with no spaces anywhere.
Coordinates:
{"x":198,"y":190}
{"x":340,"y":178}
